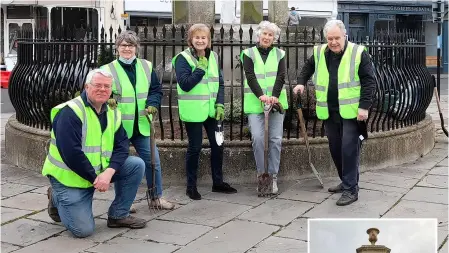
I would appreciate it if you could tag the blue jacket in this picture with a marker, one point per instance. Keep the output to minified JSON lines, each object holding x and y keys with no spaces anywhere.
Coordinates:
{"x":187,"y":79}
{"x":67,"y":128}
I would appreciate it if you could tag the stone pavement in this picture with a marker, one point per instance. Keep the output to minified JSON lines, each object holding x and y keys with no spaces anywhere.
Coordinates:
{"x":229,"y":223}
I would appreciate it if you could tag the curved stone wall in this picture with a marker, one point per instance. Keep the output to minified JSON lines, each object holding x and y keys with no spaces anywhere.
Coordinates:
{"x":26,"y":148}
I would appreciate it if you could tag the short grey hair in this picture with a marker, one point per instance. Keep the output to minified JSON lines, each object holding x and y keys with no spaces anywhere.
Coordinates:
{"x":266,"y":25}
{"x":332,"y":23}
{"x":129,"y":37}
{"x":92,"y":73}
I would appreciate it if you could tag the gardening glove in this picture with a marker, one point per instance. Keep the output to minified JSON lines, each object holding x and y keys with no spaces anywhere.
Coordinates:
{"x":77,"y":94}
{"x":112,"y":103}
{"x":219,"y":112}
{"x":202,"y":63}
{"x":151,"y":110}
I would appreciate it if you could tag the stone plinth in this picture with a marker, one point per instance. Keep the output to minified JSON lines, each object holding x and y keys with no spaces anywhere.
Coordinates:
{"x":373,"y":249}
{"x":26,"y":147}
{"x":251,"y":12}
{"x":278,"y":12}
{"x":191,"y":12}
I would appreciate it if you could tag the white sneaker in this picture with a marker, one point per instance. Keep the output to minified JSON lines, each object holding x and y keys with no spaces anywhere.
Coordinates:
{"x":275,"y":184}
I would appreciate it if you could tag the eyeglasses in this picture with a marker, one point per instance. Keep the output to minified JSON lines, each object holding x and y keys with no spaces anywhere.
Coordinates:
{"x":99,"y":86}
{"x":123,"y":46}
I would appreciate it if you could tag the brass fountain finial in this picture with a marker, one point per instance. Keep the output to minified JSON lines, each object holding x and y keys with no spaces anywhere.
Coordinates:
{"x":372,"y":232}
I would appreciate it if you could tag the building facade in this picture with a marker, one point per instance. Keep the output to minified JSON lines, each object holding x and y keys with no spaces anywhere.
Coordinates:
{"x":366,"y":18}
{"x":30,"y":15}
{"x":159,"y":12}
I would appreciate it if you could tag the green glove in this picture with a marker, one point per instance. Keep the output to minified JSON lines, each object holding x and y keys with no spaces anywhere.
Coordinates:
{"x":112,"y":103}
{"x":151,"y":110}
{"x":202,"y":63}
{"x":219,"y":112}
{"x":77,"y":94}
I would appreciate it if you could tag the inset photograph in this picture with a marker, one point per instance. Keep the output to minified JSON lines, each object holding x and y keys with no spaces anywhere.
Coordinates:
{"x":372,"y":235}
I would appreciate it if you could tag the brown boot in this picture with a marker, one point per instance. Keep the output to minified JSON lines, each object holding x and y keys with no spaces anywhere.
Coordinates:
{"x":52,"y":210}
{"x":128,"y":222}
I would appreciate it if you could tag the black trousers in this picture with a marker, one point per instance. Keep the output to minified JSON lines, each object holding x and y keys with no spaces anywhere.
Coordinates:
{"x":195,"y":135}
{"x":344,"y":145}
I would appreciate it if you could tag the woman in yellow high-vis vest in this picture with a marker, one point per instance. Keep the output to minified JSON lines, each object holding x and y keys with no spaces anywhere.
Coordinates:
{"x":201,"y":103}
{"x":265,"y":71}
{"x":137,"y":92}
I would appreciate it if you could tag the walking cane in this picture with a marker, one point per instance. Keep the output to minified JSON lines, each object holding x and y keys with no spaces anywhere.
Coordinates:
{"x":306,"y":140}
{"x":437,"y":98}
{"x":153,"y":190}
{"x":265,"y":181}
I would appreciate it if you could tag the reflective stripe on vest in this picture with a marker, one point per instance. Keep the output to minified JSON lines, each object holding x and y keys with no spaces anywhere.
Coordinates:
{"x":126,"y":95}
{"x":348,"y":81}
{"x":97,"y":150}
{"x":199,"y":103}
{"x":266,"y":74}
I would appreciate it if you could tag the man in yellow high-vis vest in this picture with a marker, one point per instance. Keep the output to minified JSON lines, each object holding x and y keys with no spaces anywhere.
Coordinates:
{"x":344,"y":82}
{"x":88,"y":150}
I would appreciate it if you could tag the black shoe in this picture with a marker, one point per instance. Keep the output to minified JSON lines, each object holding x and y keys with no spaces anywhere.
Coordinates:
{"x":223,"y":188}
{"x":347,"y":198}
{"x":52,"y":210}
{"x":336,"y":189}
{"x":193,"y":193}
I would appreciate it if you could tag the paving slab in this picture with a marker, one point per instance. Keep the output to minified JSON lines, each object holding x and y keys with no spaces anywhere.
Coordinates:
{"x":9,"y":214}
{"x":277,"y":244}
{"x":297,"y":229}
{"x":382,"y":188}
{"x":27,"y":201}
{"x":422,"y":165}
{"x":245,"y":196}
{"x":415,"y":209}
{"x":402,"y":172}
{"x":206,"y":212}
{"x":277,"y":211}
{"x":388,"y":179}
{"x":234,"y":236}
{"x":41,"y":190}
{"x":424,"y":194}
{"x":24,"y":232}
{"x":442,"y":235}
{"x":444,"y":249}
{"x":143,"y":212}
{"x":371,"y":204}
{"x":99,"y":207}
{"x":58,"y":244}
{"x":6,"y":247}
{"x":443,"y":171}
{"x":170,"y":232}
{"x":122,"y":244}
{"x":307,"y":196}
{"x":178,"y":195}
{"x":434,"y":181}
{"x":43,"y":216}
{"x":11,"y":189}
{"x":102,"y":232}
{"x":313,"y":184}
{"x":38,"y":181}
{"x":12,"y":173}
{"x":443,"y":163}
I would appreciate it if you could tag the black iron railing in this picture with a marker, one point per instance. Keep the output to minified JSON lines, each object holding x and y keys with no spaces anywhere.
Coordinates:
{"x":49,"y":72}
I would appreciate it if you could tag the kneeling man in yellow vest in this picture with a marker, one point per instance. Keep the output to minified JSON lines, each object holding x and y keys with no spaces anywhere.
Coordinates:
{"x":89,"y":149}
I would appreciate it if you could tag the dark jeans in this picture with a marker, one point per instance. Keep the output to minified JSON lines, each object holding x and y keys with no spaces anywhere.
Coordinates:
{"x":344,"y":145}
{"x":195,"y":135}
